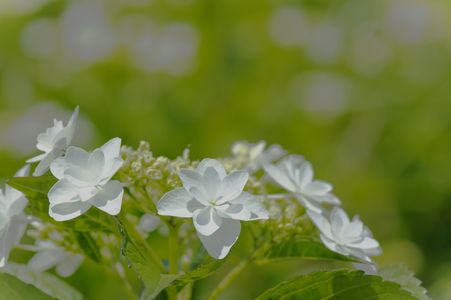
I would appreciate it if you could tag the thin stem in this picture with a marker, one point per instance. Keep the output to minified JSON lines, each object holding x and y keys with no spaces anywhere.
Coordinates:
{"x":173,"y":258}
{"x":229,"y":279}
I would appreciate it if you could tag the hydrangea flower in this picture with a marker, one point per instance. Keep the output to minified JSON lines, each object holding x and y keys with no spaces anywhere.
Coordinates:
{"x":255,"y":154}
{"x":53,"y":142}
{"x":85,"y":181}
{"x":350,"y":238}
{"x":295,"y":174}
{"x":50,"y":255}
{"x":13,"y":222}
{"x":216,"y":202}
{"x":148,"y":223}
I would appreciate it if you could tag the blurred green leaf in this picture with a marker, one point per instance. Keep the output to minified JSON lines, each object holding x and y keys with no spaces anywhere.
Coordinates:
{"x":406,"y":278}
{"x":46,"y":282}
{"x":340,"y":284}
{"x":88,"y":245}
{"x":13,"y":289}
{"x":202,"y":271}
{"x":301,"y":248}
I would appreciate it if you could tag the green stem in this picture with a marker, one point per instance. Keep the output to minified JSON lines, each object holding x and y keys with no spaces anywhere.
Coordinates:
{"x":229,"y":279}
{"x":173,"y":258}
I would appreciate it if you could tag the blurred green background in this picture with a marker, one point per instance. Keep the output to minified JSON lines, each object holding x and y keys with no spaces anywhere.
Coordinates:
{"x":361,"y":88}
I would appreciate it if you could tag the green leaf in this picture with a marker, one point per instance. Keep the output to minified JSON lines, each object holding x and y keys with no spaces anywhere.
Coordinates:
{"x":12,"y":288}
{"x":46,"y":282}
{"x":406,"y":278}
{"x":301,"y":248}
{"x":33,"y":187}
{"x":88,"y":245}
{"x":337,"y":285}
{"x":202,"y":271}
{"x":164,"y":282}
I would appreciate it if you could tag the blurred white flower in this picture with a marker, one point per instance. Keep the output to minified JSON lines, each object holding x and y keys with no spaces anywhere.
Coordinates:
{"x":12,"y":219}
{"x":325,"y":43}
{"x":53,"y":143}
{"x":50,"y":255}
{"x":350,"y":238}
{"x":85,"y":181}
{"x":256,"y":155}
{"x":216,"y":202}
{"x":289,"y":27}
{"x":296,"y":175}
{"x":148,"y":223}
{"x":40,"y":38}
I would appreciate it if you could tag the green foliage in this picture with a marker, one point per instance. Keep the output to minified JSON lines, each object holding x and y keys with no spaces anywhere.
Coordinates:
{"x":301,"y":247}
{"x":337,"y":285}
{"x":14,"y":289}
{"x":200,"y":272}
{"x":33,"y":187}
{"x":46,"y":282}
{"x":88,"y":245}
{"x":406,"y":278}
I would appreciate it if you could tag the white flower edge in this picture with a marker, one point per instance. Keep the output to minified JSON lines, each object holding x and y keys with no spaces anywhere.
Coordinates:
{"x":216,"y":202}
{"x":14,"y":224}
{"x":85,"y":181}
{"x":295,"y":174}
{"x":53,"y":142}
{"x":345,"y":236}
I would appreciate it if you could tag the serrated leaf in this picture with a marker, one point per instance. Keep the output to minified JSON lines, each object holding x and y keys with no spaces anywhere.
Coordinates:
{"x":46,"y":282}
{"x":301,"y":248}
{"x":337,"y":285}
{"x":88,"y":245}
{"x":13,"y":289}
{"x":202,"y":271}
{"x":33,"y":187}
{"x":406,"y":278}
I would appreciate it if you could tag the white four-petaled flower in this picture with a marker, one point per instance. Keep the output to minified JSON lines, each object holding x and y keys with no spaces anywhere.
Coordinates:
{"x":50,"y":255}
{"x":296,"y":175}
{"x":216,"y":202}
{"x":12,"y":219}
{"x":85,"y":181}
{"x":344,"y":236}
{"x":53,"y":142}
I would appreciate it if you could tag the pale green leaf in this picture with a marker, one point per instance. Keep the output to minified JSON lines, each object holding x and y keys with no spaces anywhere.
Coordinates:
{"x":337,"y":285}
{"x":198,"y":273}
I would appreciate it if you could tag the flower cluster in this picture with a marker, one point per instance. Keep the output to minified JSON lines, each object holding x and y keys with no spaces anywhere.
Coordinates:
{"x":152,"y":191}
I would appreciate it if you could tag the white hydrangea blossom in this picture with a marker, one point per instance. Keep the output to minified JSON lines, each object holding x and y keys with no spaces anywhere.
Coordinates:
{"x":344,"y":236}
{"x":216,"y":202}
{"x":148,"y":223}
{"x":295,"y":174}
{"x":50,"y":255}
{"x":85,"y":181}
{"x":257,"y":155}
{"x":13,"y":222}
{"x":53,"y":142}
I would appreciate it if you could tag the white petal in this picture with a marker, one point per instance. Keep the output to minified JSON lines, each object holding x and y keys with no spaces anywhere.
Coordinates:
{"x":68,"y":266}
{"x":206,"y":220}
{"x":211,"y":182}
{"x":366,"y":243}
{"x":332,"y":245}
{"x":9,"y":236}
{"x":208,"y":162}
{"x":112,"y":149}
{"x":175,"y":203}
{"x":45,"y":259}
{"x":109,"y":199}
{"x":200,"y":195}
{"x":246,"y":207}
{"x":37,"y":158}
{"x":232,"y":186}
{"x":305,"y":174}
{"x":191,"y":179}
{"x":310,"y":203}
{"x":110,"y":168}
{"x":339,"y":221}
{"x":65,"y":203}
{"x":219,"y":243}
{"x":23,"y":172}
{"x":280,"y":176}
{"x":322,"y":223}
{"x":317,"y":188}
{"x":72,"y":125}
{"x":44,"y":164}
{"x":148,"y":223}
